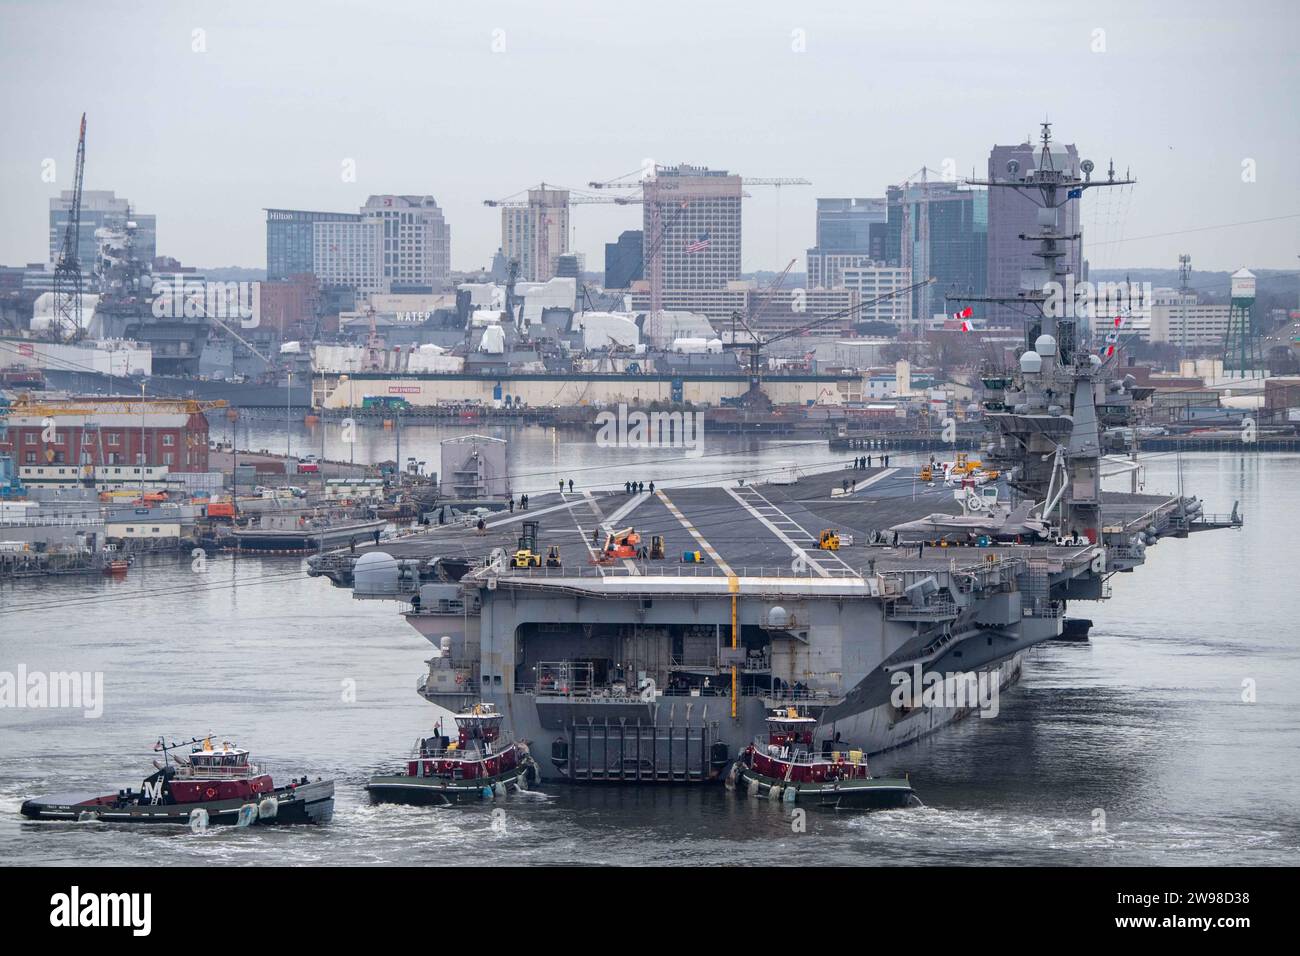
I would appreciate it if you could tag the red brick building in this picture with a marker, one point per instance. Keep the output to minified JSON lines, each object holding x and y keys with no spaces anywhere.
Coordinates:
{"x":290,"y":306}
{"x":109,"y":431}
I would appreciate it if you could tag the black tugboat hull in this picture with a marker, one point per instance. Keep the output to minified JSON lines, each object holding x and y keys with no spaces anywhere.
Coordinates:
{"x":306,"y":803}
{"x":871,"y":793}
{"x":433,"y":791}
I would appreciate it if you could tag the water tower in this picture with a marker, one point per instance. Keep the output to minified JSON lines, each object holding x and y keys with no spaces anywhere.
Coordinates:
{"x":1240,"y":345}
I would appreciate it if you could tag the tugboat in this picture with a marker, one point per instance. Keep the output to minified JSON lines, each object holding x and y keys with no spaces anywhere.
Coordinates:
{"x":211,"y":784}
{"x":477,"y":765}
{"x":785,"y":767}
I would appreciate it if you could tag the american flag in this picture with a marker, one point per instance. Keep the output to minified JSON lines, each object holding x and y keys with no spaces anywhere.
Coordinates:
{"x":699,"y":245}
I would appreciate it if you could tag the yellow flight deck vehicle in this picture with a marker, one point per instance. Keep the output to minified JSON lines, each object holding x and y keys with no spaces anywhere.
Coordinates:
{"x":527,"y":556}
{"x":553,"y":556}
{"x":829,"y":540}
{"x":926,"y":474}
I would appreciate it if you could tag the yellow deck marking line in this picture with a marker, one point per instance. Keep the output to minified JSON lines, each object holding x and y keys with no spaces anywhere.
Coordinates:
{"x":699,"y":538}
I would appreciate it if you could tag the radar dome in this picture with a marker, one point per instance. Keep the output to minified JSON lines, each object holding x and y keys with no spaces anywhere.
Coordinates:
{"x":375,"y":573}
{"x":1031,"y":363}
{"x":1045,"y":345}
{"x":778,"y":617}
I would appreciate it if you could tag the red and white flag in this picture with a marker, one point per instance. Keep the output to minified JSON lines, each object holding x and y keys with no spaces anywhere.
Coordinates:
{"x":965,"y":313}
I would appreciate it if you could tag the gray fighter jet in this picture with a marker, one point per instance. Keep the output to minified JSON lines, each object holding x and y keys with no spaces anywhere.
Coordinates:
{"x":996,"y":523}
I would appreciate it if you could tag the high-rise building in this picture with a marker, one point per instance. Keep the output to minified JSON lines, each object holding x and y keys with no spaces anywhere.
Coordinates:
{"x":394,"y":244}
{"x":692,"y":222}
{"x":875,"y":280}
{"x":624,"y":262}
{"x":537,"y":233}
{"x":416,"y":242}
{"x":955,"y":218}
{"x":350,"y":255}
{"x":1011,"y":214}
{"x":99,"y":208}
{"x":290,"y":240}
{"x":844,"y":238}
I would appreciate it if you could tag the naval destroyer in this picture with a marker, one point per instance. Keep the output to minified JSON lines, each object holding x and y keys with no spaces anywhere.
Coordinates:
{"x":619,"y":666}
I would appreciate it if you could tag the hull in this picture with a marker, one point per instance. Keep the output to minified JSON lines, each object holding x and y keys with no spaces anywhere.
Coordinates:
{"x":307,"y":803}
{"x":425,"y":791}
{"x":873,"y":793}
{"x":693,"y":739}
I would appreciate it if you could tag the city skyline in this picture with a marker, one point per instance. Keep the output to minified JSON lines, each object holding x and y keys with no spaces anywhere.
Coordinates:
{"x":250,"y":121}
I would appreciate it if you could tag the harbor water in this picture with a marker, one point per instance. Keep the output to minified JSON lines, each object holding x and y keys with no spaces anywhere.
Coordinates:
{"x":1171,"y":737}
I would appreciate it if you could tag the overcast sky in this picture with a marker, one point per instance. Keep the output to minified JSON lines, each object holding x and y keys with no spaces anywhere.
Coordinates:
{"x":413,"y":92}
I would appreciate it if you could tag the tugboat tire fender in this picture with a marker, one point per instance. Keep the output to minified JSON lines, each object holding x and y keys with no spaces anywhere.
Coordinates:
{"x":268,"y":808}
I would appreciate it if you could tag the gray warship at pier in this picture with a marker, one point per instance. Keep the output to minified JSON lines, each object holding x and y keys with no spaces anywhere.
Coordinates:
{"x":638,"y":669}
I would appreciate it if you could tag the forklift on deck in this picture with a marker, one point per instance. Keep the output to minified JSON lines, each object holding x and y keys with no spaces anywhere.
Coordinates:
{"x":829,"y":540}
{"x":656,"y":547}
{"x":526,"y":556}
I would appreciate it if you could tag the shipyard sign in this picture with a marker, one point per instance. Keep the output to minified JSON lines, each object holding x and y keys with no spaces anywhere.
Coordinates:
{"x":220,"y":302}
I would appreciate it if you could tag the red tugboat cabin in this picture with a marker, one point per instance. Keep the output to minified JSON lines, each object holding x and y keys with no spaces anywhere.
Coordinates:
{"x":789,"y":754}
{"x":476,"y":752}
{"x":220,"y":773}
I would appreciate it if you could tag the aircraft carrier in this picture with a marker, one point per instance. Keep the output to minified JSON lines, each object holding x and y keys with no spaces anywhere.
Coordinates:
{"x":645,"y":669}
{"x":662,"y":670}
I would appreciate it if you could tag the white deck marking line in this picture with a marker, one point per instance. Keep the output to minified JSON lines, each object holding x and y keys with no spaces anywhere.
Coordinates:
{"x":622,"y":512}
{"x":588,"y":499}
{"x":604,"y":524}
{"x":864,"y":483}
{"x":520,"y":514}
{"x":816,"y":560}
{"x":790,"y":542}
{"x":616,"y":518}
{"x":699,"y":538}
{"x":868,"y":482}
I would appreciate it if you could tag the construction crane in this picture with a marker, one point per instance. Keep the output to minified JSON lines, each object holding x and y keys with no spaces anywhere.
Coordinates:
{"x":67,"y":271}
{"x":658,"y":228}
{"x":756,"y":344}
{"x":574,"y":198}
{"x":758,"y":307}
